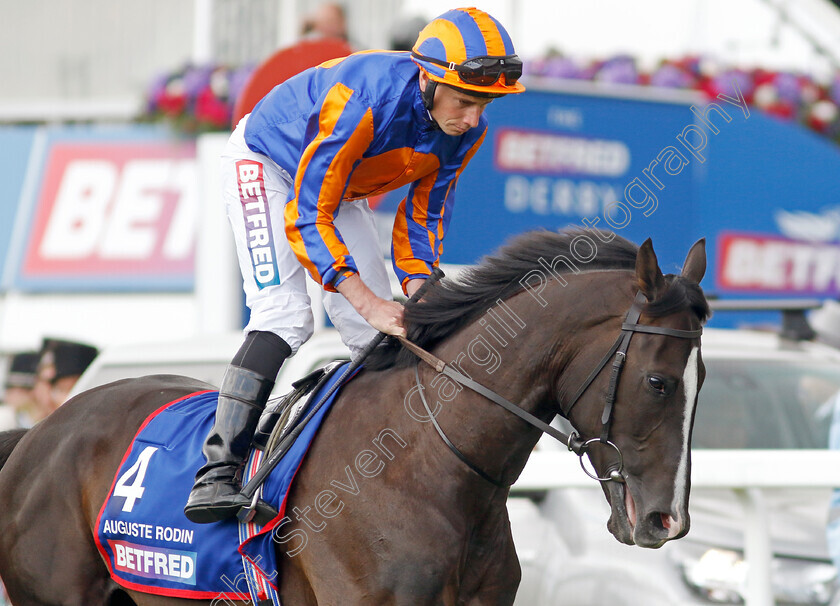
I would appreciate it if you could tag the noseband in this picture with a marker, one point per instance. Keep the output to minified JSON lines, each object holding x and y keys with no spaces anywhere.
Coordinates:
{"x":618,"y":354}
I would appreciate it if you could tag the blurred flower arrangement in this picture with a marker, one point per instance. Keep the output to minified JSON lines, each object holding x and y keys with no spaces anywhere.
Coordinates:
{"x":787,"y":96}
{"x":196,"y":99}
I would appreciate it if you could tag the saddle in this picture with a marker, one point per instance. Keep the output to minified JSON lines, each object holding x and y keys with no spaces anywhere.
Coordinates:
{"x":280,"y":418}
{"x":282,"y":413}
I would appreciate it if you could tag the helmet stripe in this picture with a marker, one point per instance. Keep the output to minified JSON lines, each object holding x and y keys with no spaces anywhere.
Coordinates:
{"x":473,"y":34}
{"x":432,"y":47}
{"x":450,"y":36}
{"x":503,"y":39}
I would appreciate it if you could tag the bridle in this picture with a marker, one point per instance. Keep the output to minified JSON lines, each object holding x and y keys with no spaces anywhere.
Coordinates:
{"x":618,"y":354}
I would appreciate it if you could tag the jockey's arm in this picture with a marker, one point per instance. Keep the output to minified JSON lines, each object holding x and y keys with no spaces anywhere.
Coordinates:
{"x":412,"y":286}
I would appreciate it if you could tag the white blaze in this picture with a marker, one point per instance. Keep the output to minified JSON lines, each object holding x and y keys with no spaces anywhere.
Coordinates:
{"x":690,"y":381}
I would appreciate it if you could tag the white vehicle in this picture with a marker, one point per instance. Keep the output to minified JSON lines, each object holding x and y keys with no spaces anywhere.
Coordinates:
{"x":204,"y":358}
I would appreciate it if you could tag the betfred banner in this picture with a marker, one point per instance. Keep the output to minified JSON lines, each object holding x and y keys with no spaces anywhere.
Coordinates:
{"x":16,"y":144}
{"x":754,"y":263}
{"x":113,"y":214}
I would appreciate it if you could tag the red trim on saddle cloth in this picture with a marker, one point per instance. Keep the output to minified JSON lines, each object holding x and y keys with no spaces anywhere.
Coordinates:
{"x":163,"y":591}
{"x":269,"y":527}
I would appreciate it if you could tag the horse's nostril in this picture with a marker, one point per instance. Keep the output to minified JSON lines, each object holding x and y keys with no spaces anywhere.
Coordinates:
{"x":666,"y":525}
{"x":663,"y":521}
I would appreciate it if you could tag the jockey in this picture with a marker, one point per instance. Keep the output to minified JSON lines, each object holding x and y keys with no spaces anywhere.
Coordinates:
{"x":296,"y":174}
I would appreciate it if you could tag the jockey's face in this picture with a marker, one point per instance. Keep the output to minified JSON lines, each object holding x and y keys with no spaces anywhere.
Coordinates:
{"x":454,"y":111}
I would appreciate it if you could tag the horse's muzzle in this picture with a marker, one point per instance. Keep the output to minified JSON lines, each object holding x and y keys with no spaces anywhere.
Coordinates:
{"x":632,"y":526}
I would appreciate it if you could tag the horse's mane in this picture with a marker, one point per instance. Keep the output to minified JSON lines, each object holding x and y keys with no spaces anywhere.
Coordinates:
{"x":449,"y":305}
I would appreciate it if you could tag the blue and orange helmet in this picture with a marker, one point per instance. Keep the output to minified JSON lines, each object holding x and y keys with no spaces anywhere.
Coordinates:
{"x":468,"y":49}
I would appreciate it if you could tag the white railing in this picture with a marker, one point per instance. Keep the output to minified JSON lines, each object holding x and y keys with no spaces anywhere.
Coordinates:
{"x":746,"y":472}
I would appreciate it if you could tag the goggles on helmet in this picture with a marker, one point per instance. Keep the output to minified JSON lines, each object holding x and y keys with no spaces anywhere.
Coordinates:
{"x":482,"y":71}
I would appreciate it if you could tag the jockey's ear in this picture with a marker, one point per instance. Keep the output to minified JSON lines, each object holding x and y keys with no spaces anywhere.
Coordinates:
{"x":694,"y":267}
{"x":648,"y":275}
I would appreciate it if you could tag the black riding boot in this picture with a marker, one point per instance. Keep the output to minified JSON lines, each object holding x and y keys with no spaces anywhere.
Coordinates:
{"x":242,"y":398}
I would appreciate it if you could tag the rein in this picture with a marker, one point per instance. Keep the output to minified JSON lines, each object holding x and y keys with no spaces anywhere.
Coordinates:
{"x":572,"y":441}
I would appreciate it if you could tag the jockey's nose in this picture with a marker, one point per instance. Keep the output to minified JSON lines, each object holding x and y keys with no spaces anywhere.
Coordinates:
{"x":473,"y":115}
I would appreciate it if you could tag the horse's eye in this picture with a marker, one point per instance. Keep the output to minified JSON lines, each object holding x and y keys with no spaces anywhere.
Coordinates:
{"x":658,"y":385}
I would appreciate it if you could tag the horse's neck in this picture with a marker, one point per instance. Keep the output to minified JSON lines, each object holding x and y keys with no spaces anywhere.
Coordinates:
{"x":513,"y":349}
{"x":530,"y":349}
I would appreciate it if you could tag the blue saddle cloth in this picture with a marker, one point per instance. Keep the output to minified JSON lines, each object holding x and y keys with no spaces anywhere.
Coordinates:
{"x":142,"y":533}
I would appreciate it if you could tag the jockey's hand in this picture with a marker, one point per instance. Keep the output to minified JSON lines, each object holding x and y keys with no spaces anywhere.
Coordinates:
{"x":385,"y":316}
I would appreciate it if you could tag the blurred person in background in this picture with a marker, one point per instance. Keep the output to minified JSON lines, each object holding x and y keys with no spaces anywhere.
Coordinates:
{"x":327,"y":21}
{"x":60,"y":365}
{"x":18,"y":402}
{"x":18,"y":405}
{"x":296,"y":175}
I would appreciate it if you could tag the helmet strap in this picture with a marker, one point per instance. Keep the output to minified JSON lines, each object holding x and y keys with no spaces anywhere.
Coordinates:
{"x":429,"y":94}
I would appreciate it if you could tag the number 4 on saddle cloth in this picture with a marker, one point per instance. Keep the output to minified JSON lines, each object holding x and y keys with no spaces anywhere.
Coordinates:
{"x":142,"y":533}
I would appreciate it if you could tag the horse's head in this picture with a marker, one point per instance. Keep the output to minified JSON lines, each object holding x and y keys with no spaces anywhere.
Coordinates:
{"x":538,"y":341}
{"x":651,"y":419}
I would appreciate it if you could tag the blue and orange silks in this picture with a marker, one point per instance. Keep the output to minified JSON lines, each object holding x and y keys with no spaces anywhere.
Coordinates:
{"x":352,"y":128}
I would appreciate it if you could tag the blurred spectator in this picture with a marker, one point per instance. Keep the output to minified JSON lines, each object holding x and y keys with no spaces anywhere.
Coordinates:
{"x":327,"y":21}
{"x":60,"y":365}
{"x":18,"y":400}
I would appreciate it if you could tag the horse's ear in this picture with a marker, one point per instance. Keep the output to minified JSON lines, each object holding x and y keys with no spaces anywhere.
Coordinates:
{"x":694,"y":267}
{"x":648,"y":275}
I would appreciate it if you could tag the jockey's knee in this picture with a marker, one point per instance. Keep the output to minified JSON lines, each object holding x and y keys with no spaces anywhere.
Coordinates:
{"x":262,"y":352}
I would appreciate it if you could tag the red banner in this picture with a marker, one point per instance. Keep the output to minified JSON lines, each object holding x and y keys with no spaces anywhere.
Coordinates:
{"x":114,"y":210}
{"x":759,"y":263}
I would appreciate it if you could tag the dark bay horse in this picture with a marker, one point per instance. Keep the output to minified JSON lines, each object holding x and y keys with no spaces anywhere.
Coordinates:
{"x":385,"y":511}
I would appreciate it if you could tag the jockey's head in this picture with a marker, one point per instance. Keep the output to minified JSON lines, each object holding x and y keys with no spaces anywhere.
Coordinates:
{"x":469,"y":50}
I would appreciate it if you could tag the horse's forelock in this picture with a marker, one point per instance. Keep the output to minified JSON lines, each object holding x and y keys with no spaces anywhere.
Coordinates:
{"x":681,"y":294}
